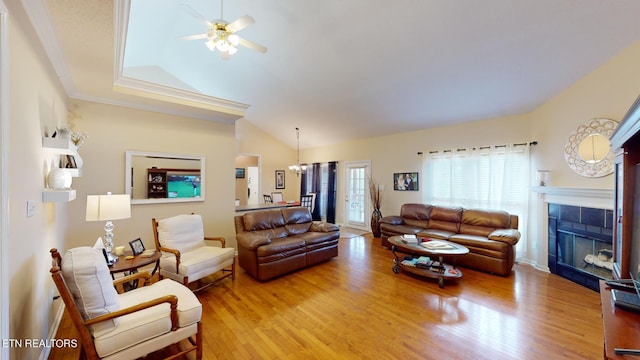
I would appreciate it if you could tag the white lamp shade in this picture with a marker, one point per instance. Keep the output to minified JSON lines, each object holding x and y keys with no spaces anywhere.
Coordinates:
{"x":108,"y":207}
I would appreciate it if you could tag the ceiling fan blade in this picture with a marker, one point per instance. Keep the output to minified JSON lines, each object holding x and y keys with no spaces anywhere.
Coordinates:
{"x":225,"y":56}
{"x":197,"y":15}
{"x":240,"y":24}
{"x":251,"y":45}
{"x":194,"y":37}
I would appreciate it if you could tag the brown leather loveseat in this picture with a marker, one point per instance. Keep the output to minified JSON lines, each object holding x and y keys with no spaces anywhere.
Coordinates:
{"x":277,"y":241}
{"x":490,"y":235}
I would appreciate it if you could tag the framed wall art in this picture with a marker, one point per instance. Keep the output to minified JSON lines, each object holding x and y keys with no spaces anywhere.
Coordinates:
{"x":407,"y":181}
{"x":279,"y":179}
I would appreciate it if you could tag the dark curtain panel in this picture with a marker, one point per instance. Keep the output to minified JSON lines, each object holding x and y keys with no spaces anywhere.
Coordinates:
{"x":303,"y":183}
{"x":316,"y":187}
{"x":331,"y":192}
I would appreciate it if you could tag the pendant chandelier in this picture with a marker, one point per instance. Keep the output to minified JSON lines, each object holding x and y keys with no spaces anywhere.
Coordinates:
{"x":297,"y":168}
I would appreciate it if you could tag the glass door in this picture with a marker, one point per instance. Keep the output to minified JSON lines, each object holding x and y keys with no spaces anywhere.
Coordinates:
{"x":357,"y":202}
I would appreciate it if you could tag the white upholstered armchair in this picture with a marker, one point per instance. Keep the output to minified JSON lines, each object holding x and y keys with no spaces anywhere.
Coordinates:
{"x":187,"y":255}
{"x":113,"y":325}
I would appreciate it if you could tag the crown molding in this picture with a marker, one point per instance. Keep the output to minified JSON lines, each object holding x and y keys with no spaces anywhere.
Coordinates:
{"x":41,"y":21}
{"x":158,"y":91}
{"x":215,"y":109}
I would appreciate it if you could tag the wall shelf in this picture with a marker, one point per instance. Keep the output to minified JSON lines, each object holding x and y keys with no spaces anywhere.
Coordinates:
{"x":50,"y":195}
{"x":62,"y":146}
{"x":59,"y":146}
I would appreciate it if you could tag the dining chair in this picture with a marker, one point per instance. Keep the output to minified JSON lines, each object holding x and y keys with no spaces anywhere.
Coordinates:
{"x":267,"y":199}
{"x":307,"y":200}
{"x":277,"y":197}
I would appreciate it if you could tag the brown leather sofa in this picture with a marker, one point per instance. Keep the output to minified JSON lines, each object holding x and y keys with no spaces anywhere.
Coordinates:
{"x":277,"y":241}
{"x":490,"y":235}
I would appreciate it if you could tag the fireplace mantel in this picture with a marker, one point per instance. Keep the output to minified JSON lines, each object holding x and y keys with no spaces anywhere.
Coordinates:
{"x":594,"y":198}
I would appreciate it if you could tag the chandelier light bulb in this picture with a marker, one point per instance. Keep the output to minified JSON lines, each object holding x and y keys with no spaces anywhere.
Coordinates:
{"x":232,"y":49}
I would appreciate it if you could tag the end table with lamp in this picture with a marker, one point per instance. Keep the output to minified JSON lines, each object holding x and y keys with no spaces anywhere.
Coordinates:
{"x":107,"y":208}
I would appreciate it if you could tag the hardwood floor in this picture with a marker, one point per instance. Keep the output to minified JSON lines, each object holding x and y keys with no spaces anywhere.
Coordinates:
{"x":354,"y":306}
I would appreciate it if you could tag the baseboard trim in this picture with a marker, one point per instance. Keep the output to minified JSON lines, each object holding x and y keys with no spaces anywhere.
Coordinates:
{"x":53,"y":330}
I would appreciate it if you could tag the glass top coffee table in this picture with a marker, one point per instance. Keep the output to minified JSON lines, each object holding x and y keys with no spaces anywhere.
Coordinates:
{"x":431,"y":268}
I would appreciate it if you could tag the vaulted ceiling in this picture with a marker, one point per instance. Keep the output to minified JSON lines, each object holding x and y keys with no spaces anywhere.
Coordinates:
{"x":338,"y":70}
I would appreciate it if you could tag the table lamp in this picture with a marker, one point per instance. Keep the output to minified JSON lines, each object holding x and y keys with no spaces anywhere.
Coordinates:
{"x":107,"y":208}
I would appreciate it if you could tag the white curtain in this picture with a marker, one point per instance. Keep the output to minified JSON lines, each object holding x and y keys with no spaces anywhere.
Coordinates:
{"x":495,"y":177}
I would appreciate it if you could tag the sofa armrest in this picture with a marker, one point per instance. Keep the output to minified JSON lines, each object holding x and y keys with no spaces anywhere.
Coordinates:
{"x":510,"y":236}
{"x":252,"y":241}
{"x":393,"y":220}
{"x":319,"y":226}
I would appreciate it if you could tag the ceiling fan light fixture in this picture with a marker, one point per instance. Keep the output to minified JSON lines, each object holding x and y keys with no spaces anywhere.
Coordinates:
{"x":232,"y":49}
{"x":233,"y":39}
{"x":211,"y":45}
{"x":222,"y":45}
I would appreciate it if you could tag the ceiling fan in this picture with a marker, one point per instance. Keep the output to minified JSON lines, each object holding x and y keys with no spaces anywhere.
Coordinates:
{"x":221,"y":35}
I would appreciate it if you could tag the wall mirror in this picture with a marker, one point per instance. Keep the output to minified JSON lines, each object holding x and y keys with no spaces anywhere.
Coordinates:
{"x":152,"y":177}
{"x":588,"y":151}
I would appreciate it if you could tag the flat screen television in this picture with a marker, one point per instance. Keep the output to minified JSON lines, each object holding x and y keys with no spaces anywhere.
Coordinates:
{"x":239,"y":173}
{"x":183,"y":186}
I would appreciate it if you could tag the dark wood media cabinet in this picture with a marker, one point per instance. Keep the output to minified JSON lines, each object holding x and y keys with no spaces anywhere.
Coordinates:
{"x":621,"y":328}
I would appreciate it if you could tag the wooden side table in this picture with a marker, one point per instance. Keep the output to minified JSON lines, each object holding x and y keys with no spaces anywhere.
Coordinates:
{"x":132,"y":265}
{"x":621,"y":327}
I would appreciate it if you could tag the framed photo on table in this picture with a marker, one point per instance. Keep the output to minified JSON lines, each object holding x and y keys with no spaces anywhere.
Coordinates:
{"x":279,"y":179}
{"x":136,"y":246}
{"x":405,"y":181}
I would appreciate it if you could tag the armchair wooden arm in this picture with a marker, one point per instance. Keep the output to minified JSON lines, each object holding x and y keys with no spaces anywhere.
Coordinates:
{"x":222,"y":240}
{"x":171,"y":299}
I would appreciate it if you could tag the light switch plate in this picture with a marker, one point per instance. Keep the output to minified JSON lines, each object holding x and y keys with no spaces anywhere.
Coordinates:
{"x":31,"y":208}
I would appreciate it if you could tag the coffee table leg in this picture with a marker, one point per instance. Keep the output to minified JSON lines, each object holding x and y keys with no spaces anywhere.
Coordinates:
{"x":441,"y":271}
{"x":396,"y":261}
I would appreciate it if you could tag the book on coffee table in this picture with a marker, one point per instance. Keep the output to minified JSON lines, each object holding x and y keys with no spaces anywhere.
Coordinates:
{"x":437,"y":245}
{"x":409,"y":239}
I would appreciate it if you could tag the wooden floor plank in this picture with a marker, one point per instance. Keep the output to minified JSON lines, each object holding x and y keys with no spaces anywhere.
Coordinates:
{"x":354,"y":306}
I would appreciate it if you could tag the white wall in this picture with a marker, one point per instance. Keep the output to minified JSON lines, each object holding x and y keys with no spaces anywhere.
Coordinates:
{"x":275,"y":156}
{"x":112,"y":131}
{"x":607,"y":92}
{"x":37,"y":106}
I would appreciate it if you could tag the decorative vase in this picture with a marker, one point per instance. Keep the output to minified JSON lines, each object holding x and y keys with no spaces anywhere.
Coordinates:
{"x":59,"y":179}
{"x":375,"y":222}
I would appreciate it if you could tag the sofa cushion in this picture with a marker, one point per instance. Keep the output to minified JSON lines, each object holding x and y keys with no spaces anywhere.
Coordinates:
{"x":319,"y":226}
{"x":311,"y":238}
{"x":263,"y":220}
{"x":416,"y":223}
{"x":480,"y":243}
{"x":445,"y":218}
{"x":435,"y":234}
{"x":415,"y":211}
{"x":182,"y":232}
{"x":483,"y":222}
{"x":297,"y":220}
{"x":510,"y":236}
{"x":281,"y":245}
{"x":87,"y":275}
{"x":389,"y":229}
{"x":392,"y":220}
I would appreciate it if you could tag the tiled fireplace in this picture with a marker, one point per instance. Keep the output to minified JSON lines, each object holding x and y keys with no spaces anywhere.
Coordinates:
{"x":580,"y":243}
{"x":576,"y":225}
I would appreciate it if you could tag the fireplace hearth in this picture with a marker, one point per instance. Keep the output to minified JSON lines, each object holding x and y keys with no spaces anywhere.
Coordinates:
{"x":580,"y":243}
